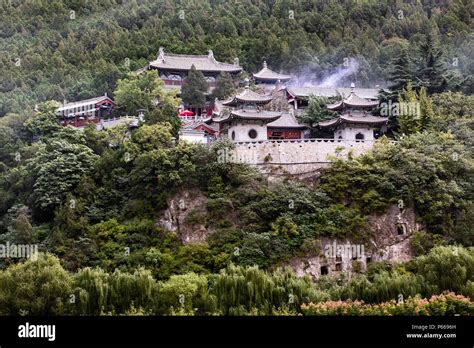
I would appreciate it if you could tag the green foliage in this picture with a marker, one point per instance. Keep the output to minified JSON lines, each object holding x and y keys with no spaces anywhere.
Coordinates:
{"x":225,"y":86}
{"x":139,"y":92}
{"x":422,"y":242}
{"x":459,"y":261}
{"x":42,"y":287}
{"x":45,"y":121}
{"x":35,"y":287}
{"x":98,"y":292}
{"x":317,"y":111}
{"x":429,"y":169}
{"x":194,"y":89}
{"x":240,"y":290}
{"x":184,"y":293}
{"x":58,"y":168}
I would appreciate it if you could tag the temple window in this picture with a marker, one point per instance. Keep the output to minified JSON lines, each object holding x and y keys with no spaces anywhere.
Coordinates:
{"x":324,"y":270}
{"x":253,"y":134}
{"x":359,"y":136}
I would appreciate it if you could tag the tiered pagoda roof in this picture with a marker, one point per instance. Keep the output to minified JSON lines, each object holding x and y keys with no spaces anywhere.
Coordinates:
{"x":184,"y":62}
{"x":270,"y":75}
{"x":248,"y":97}
{"x":354,"y":118}
{"x":244,"y":99}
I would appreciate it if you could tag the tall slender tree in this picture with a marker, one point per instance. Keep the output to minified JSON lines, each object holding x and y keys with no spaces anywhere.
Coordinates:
{"x":224,"y":86}
{"x":194,"y":89}
{"x":432,"y":73}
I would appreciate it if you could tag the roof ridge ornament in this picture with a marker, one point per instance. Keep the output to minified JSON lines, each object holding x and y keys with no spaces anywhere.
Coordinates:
{"x":161,"y":54}
{"x":210,"y":55}
{"x":352,"y":87}
{"x":236,"y":61}
{"x":247,"y":81}
{"x":265,"y":64}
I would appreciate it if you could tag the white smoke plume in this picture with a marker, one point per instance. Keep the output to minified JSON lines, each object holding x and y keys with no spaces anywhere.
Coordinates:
{"x":333,"y":78}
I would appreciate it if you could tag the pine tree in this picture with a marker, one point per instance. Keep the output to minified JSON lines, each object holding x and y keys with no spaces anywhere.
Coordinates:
{"x":433,"y":72}
{"x":408,"y":111}
{"x":224,"y":86}
{"x":23,"y":230}
{"x":401,"y":74}
{"x":194,"y":89}
{"x":426,"y":110}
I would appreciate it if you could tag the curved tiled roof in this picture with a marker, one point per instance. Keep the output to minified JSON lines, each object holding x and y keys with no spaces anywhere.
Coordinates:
{"x":354,"y":118}
{"x":287,"y":120}
{"x":207,"y":62}
{"x":248,"y":96}
{"x":354,"y":101}
{"x":85,"y":102}
{"x":305,"y":92}
{"x":267,"y":74}
{"x":245,"y":114}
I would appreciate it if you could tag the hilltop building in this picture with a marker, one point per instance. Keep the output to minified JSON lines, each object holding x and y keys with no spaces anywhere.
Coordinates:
{"x":355,"y":121}
{"x":298,"y":96}
{"x":173,"y":68}
{"x":286,"y":127}
{"x":269,"y":78}
{"x":242,"y":118}
{"x":84,"y":112}
{"x":246,"y":120}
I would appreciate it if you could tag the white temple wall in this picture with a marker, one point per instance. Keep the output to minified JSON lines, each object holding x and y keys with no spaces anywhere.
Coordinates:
{"x":349,"y":133}
{"x":242,"y":132}
{"x":298,"y":152}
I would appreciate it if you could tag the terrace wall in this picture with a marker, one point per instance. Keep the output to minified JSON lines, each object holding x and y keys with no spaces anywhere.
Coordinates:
{"x":296,"y":156}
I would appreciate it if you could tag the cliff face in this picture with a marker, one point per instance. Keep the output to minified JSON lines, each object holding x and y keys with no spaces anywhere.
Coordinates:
{"x":184,"y":216}
{"x":392,"y":231}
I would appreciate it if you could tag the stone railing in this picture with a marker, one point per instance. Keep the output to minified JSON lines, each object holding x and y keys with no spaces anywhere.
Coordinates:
{"x":308,"y":140}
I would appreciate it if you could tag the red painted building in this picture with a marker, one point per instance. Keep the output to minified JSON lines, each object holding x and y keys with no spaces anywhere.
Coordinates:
{"x":84,"y":112}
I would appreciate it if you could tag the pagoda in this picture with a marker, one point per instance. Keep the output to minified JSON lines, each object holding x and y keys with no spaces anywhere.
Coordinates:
{"x":244,"y":119}
{"x":269,"y":77}
{"x":355,"y":121}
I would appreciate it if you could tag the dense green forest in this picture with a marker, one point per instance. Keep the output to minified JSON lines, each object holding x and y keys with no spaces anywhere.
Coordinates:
{"x":76,"y":49}
{"x":90,"y":199}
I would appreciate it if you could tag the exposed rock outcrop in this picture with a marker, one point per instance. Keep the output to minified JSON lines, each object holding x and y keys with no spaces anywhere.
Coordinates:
{"x":392,"y":232}
{"x":185,"y":216}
